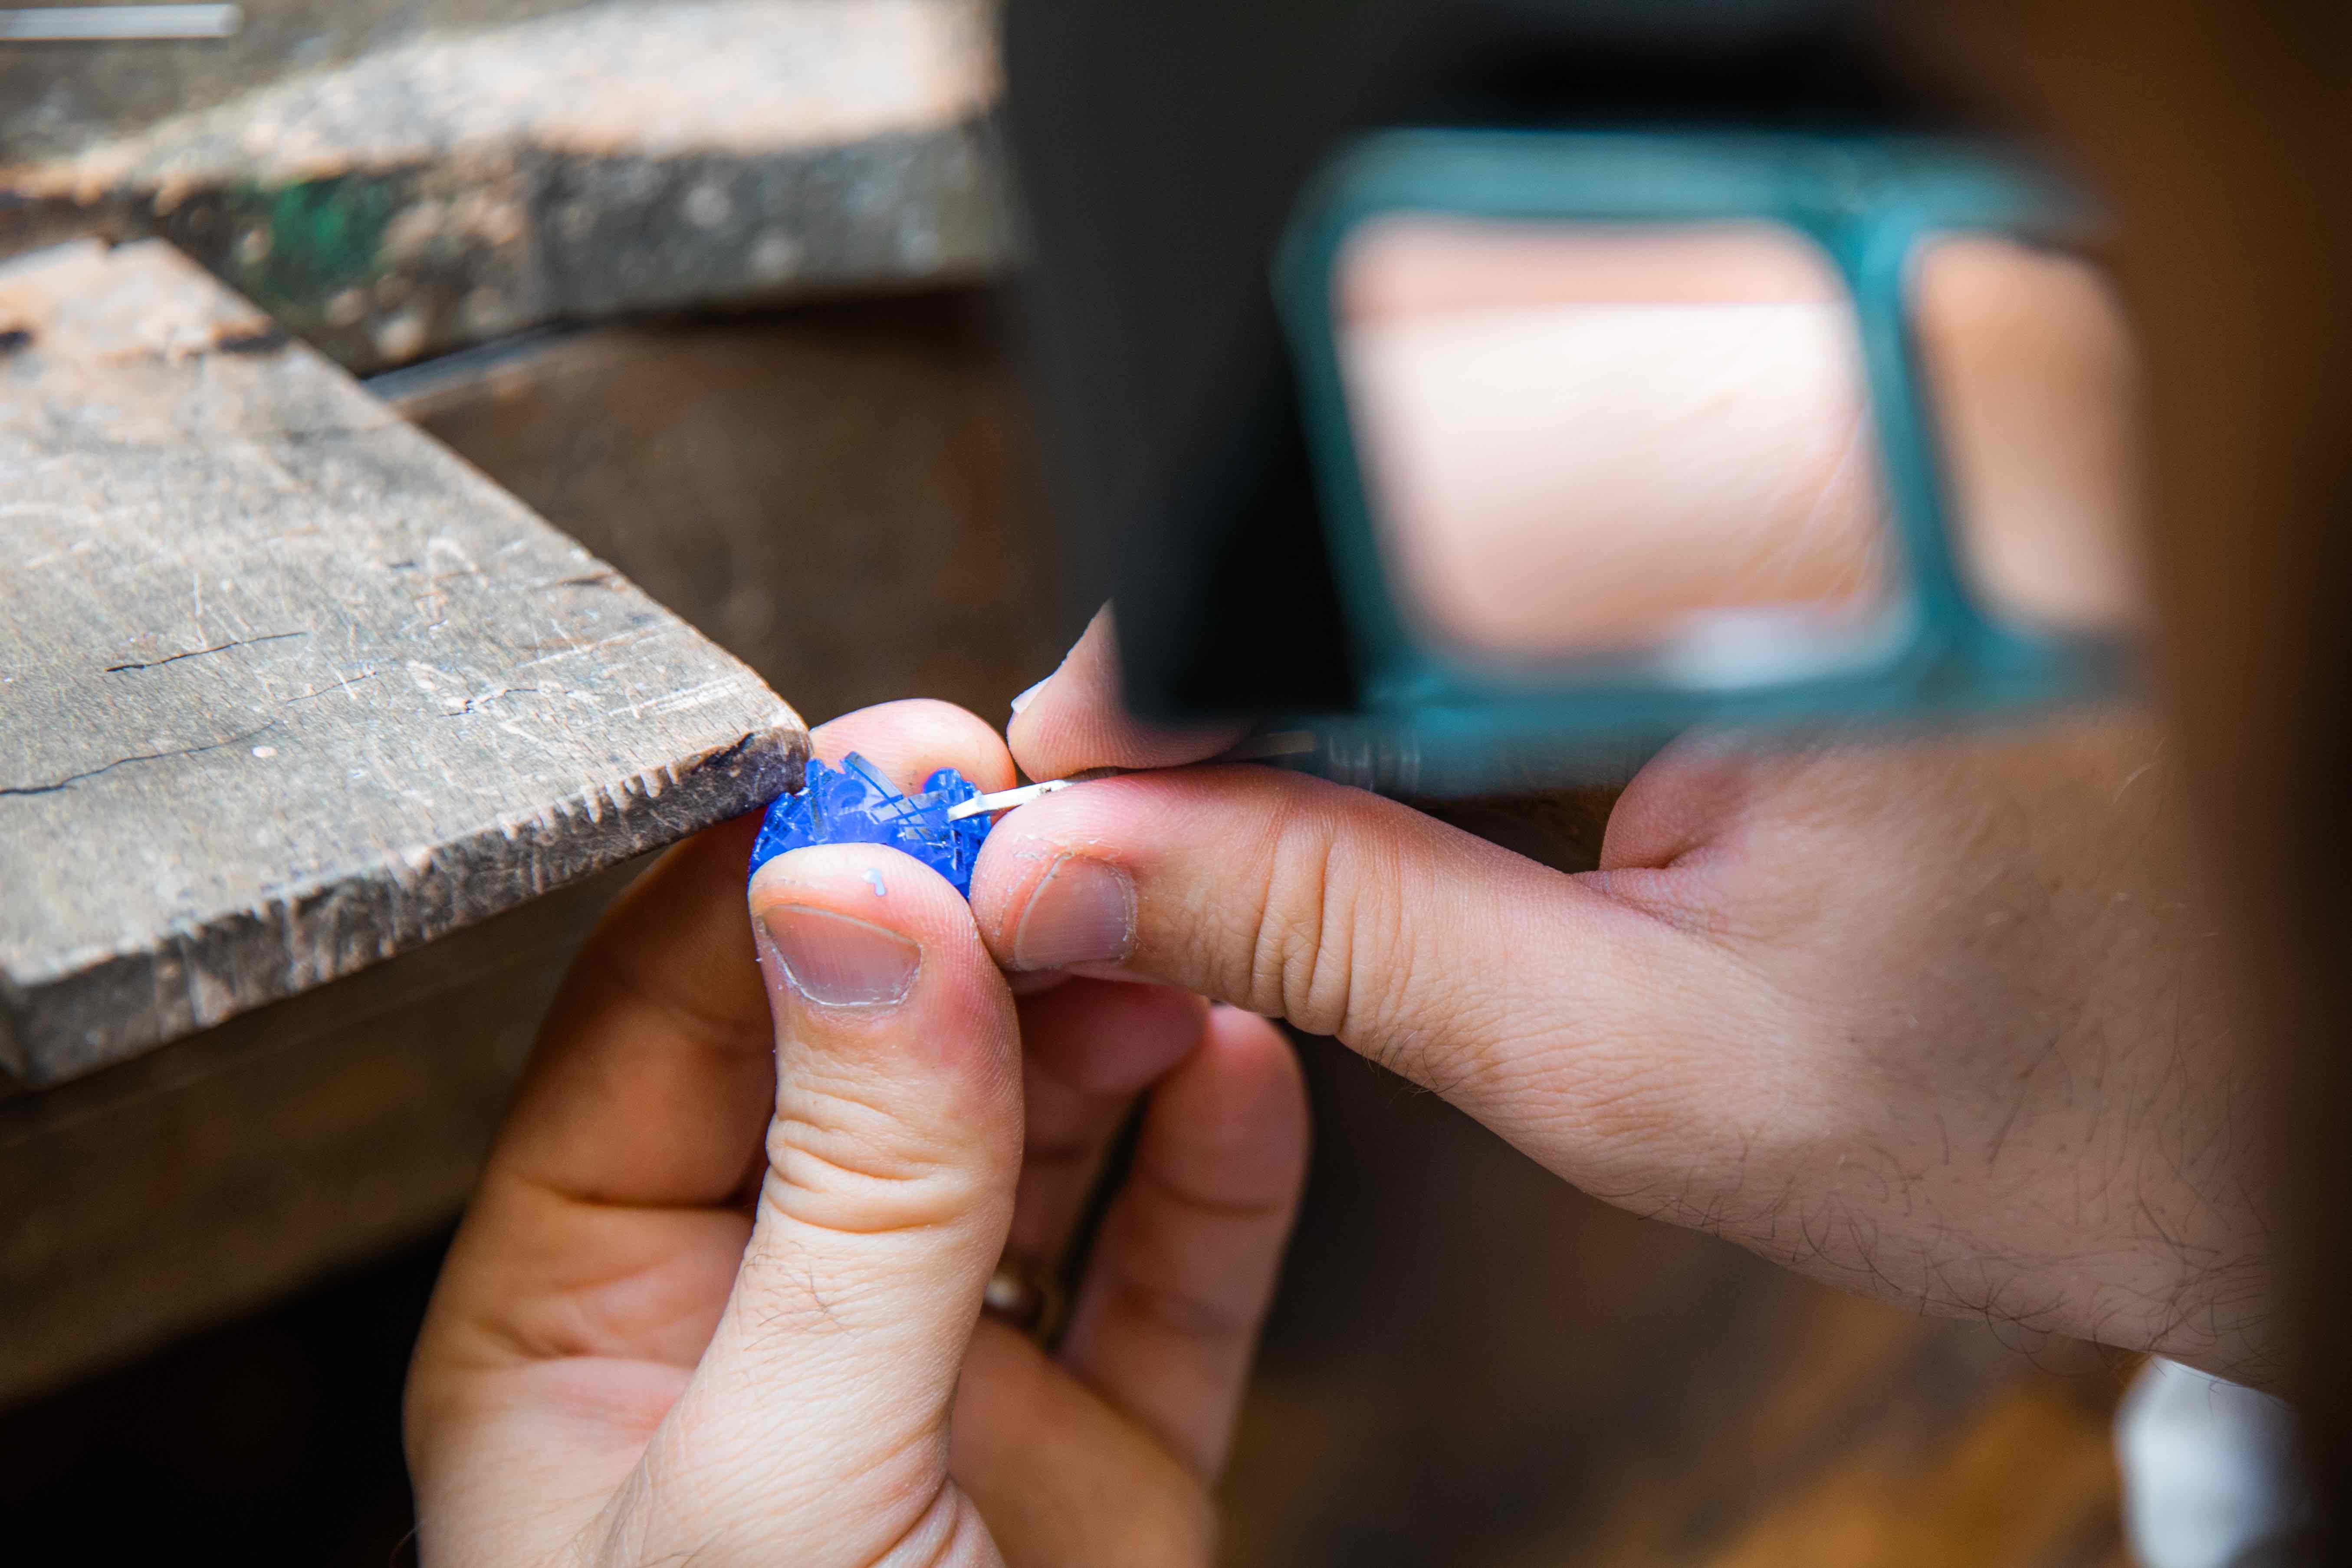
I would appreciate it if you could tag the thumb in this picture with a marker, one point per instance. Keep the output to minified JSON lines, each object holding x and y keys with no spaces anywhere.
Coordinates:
{"x":816,"y":1428}
{"x":1569,"y":1014}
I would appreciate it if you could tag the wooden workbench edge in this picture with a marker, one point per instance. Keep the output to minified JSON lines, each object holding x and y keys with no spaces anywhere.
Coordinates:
{"x":319,"y":929}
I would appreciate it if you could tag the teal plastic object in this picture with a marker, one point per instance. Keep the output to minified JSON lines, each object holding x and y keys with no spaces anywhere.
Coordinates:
{"x":1435,"y":723}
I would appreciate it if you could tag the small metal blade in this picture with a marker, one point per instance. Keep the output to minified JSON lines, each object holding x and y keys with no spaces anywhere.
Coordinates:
{"x":1005,"y":799}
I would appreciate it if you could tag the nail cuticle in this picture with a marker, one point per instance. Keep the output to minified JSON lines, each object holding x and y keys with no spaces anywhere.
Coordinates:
{"x":1082,"y":912}
{"x":837,"y":961}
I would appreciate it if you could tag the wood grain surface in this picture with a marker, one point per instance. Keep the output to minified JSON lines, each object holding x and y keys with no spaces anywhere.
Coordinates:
{"x":285,"y":689}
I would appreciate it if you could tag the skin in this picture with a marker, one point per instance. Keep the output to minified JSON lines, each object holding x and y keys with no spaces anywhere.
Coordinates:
{"x":718,"y":1295}
{"x":1940,"y":1022}
{"x":2218,"y":132}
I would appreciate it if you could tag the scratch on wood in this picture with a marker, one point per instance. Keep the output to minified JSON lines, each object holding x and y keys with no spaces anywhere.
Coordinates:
{"x":696,"y":696}
{"x":73,"y":779}
{"x":339,"y":685}
{"x":200,"y":652}
{"x":473,"y":702}
{"x":264,"y":339}
{"x":633,"y":634}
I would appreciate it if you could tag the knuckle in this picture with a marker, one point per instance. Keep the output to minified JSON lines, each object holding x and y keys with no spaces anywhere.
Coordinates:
{"x":1330,"y":951}
{"x":1293,"y":927}
{"x":840,"y":1164}
{"x":1328,"y":941}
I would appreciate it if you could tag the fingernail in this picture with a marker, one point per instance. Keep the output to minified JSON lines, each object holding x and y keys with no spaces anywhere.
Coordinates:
{"x":1022,"y":700}
{"x":1083,"y":912}
{"x":837,"y":961}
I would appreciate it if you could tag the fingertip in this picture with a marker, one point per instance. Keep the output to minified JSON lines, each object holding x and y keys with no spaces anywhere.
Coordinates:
{"x":863,"y":928}
{"x":912,"y":739}
{"x":1076,"y":718}
{"x":1050,"y":721}
{"x":1253,"y":1037}
{"x":865,"y":881}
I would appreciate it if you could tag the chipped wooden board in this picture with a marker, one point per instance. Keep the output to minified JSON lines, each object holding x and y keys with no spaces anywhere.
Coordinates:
{"x":285,"y":689}
{"x":453,"y":186}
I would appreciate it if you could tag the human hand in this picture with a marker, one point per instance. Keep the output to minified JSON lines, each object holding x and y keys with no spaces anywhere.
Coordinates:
{"x":718,"y":1295}
{"x":1937,"y":1022}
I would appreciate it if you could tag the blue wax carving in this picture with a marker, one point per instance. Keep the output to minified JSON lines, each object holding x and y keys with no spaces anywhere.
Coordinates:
{"x":855,"y":803}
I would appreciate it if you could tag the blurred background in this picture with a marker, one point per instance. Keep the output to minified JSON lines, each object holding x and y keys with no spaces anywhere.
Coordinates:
{"x":716,"y":288}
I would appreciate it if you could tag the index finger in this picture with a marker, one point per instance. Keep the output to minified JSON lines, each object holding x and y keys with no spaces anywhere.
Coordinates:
{"x":1076,"y":718}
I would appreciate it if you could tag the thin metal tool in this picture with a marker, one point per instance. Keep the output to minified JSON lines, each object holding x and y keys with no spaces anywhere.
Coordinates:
{"x":1255,"y":748}
{"x":1006,"y":799}
{"x":111,"y":24}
